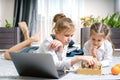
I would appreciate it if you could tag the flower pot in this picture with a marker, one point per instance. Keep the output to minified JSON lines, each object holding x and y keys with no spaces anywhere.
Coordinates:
{"x":9,"y":37}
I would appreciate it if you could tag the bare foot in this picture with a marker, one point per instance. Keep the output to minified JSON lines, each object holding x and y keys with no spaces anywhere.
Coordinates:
{"x":24,"y":29}
{"x":35,"y":37}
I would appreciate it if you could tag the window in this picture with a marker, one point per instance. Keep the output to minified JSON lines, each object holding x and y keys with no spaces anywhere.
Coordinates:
{"x":48,"y":8}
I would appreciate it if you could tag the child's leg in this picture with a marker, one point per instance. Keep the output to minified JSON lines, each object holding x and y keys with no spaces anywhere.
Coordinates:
{"x":34,"y":38}
{"x":24,"y":29}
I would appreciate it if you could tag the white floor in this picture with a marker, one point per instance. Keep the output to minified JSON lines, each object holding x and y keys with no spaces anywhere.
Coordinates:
{"x":116,"y":53}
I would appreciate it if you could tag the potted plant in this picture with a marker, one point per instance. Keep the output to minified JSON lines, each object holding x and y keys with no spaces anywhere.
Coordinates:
{"x":113,"y":21}
{"x":9,"y":35}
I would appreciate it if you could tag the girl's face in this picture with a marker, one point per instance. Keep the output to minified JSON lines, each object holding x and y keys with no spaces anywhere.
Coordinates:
{"x":97,"y":39}
{"x":65,"y":36}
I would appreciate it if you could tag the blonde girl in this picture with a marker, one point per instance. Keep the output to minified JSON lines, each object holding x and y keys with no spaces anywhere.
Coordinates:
{"x":99,"y":44}
{"x":25,"y":46}
{"x":56,"y":45}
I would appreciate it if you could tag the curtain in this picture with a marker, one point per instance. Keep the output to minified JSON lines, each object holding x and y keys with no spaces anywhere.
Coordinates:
{"x":26,"y":10}
{"x":48,"y":8}
{"x":117,"y":6}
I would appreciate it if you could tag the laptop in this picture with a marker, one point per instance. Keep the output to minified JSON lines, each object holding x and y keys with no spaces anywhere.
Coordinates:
{"x":35,"y":65}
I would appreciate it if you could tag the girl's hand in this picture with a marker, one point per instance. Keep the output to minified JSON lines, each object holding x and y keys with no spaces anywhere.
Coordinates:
{"x":55,"y":44}
{"x":97,"y":65}
{"x":89,"y":59}
{"x":94,"y":51}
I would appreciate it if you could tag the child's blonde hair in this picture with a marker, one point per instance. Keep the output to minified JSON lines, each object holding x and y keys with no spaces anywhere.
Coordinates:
{"x":64,"y":24}
{"x":58,"y":16}
{"x":100,"y":28}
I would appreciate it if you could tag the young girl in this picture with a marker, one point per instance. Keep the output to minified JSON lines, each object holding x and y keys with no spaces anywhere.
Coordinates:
{"x":99,"y":44}
{"x":25,"y":46}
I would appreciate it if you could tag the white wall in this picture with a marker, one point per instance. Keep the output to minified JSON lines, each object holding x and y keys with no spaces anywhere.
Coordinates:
{"x":117,"y":5}
{"x":98,"y":7}
{"x":6,"y":11}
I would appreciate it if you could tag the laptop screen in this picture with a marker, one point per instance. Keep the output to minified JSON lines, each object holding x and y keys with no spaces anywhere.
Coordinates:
{"x":32,"y":64}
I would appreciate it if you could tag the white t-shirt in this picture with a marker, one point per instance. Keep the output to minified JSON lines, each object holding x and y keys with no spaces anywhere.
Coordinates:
{"x":59,"y":58}
{"x":104,"y":52}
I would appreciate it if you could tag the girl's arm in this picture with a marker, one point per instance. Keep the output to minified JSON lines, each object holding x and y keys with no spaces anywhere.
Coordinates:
{"x":89,"y":59}
{"x":55,"y":44}
{"x":59,"y":58}
{"x":107,"y":56}
{"x":94,"y":51}
{"x":86,"y":49}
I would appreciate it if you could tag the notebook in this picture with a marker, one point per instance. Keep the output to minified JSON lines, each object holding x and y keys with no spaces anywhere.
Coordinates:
{"x":35,"y":65}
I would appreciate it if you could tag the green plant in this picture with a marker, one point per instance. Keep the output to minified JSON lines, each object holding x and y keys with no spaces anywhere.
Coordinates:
{"x":8,"y":25}
{"x":113,"y":21}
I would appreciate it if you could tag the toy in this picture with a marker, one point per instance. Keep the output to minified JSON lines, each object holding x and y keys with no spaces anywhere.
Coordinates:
{"x":85,"y":68}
